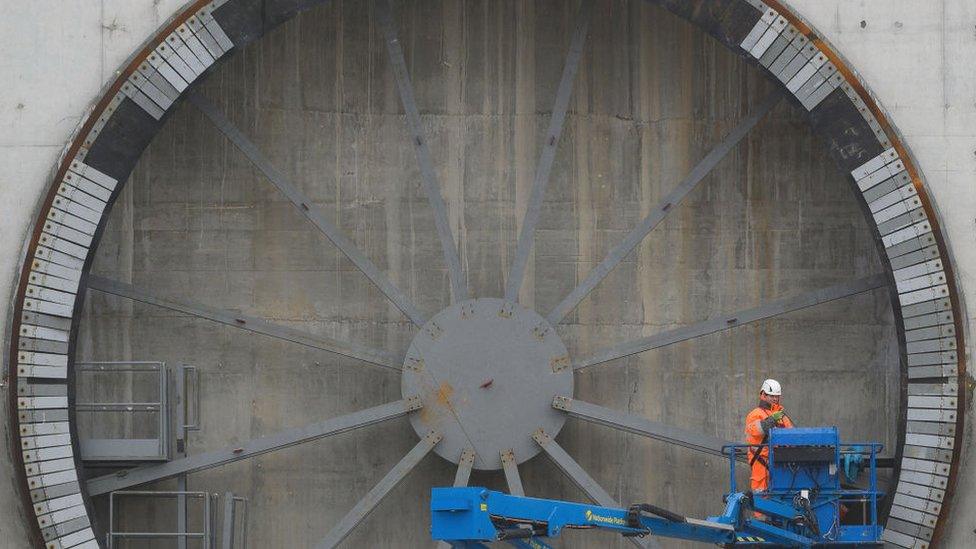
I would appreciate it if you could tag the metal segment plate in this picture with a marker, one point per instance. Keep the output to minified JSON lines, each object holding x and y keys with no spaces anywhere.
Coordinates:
{"x":66,"y":528}
{"x":896,"y":202}
{"x":487,"y":370}
{"x":901,"y":526}
{"x":81,"y":539}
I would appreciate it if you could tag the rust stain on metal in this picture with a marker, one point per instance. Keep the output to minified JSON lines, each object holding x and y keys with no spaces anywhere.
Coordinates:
{"x":444,"y":393}
{"x":414,"y":364}
{"x":425,"y":415}
{"x":439,"y":399}
{"x":559,"y":363}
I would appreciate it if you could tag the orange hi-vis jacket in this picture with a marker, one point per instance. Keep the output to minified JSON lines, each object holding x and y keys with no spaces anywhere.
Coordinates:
{"x":755,"y":435}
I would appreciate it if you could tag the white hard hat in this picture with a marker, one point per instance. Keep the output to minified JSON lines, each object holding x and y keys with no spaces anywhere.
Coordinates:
{"x":771,"y":387}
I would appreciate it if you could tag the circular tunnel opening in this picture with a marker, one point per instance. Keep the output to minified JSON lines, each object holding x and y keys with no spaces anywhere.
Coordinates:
{"x":638,"y":199}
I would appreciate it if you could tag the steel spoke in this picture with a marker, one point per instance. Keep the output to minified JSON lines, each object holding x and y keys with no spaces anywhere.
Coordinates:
{"x":308,"y":209}
{"x":637,"y":235}
{"x":512,"y":477}
{"x":639,"y":426}
{"x":252,"y":324}
{"x":382,"y":488}
{"x":581,"y":478}
{"x":465,"y":463}
{"x":291,"y":437}
{"x":544,"y":168}
{"x":384,"y":13}
{"x":718,"y":324}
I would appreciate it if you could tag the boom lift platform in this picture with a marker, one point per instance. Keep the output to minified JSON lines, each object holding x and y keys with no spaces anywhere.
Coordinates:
{"x":806,"y":504}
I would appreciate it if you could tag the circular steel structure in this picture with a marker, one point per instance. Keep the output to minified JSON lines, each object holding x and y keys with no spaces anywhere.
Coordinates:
{"x":482,"y":368}
{"x":480,"y":364}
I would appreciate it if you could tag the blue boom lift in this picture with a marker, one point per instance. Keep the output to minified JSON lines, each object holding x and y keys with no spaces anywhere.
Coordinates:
{"x":806,"y":505}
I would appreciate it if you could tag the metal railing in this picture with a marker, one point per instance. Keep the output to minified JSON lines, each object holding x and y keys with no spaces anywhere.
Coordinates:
{"x":206,"y":536}
{"x":127,"y":448}
{"x":867,"y":498}
{"x":181,"y":382}
{"x":229,"y":534}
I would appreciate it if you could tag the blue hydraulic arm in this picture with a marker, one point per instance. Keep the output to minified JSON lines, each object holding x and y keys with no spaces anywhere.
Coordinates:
{"x":806,"y":505}
{"x":467,"y":516}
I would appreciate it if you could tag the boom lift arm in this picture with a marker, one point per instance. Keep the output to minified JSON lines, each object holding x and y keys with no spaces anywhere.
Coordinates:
{"x":805,"y":506}
{"x":467,"y":517}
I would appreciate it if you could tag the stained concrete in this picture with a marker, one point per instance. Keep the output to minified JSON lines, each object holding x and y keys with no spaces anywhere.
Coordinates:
{"x":924,"y":41}
{"x":776,"y":218}
{"x":916,"y":58}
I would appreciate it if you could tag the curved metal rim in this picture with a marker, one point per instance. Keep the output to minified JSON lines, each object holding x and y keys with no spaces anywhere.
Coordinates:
{"x":726,"y":21}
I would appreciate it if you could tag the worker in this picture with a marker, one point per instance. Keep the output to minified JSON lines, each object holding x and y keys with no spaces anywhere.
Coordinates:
{"x":759,"y":421}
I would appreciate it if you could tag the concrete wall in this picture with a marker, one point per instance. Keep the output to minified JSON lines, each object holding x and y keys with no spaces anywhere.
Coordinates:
{"x":916,"y":58}
{"x":57,"y":56}
{"x":197,"y":222}
{"x":172,"y":201}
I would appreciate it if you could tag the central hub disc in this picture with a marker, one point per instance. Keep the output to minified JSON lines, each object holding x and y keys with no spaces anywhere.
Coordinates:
{"x":487,"y":371}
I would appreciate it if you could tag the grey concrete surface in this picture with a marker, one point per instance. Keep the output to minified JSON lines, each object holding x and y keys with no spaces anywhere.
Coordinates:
{"x":56,"y":57}
{"x":197,"y":222}
{"x":653,"y":95}
{"x":916,"y":58}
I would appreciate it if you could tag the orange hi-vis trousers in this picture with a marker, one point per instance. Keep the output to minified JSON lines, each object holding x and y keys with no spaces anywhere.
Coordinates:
{"x":755,"y":436}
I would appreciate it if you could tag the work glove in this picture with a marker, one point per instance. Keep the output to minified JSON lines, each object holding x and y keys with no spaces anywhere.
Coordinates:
{"x":772,"y":420}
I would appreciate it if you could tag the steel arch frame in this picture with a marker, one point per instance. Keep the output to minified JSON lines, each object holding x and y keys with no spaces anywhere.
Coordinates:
{"x":923,"y":291}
